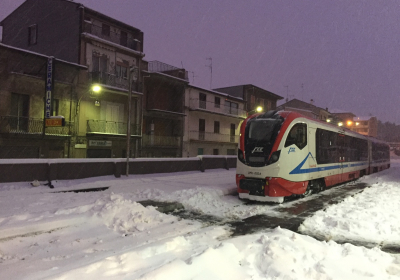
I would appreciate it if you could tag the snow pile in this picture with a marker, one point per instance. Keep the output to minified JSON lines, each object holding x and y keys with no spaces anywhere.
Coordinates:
{"x":370,"y":216}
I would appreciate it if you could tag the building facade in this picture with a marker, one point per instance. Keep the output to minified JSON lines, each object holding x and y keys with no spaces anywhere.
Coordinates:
{"x":111,"y":50}
{"x":253,"y":97}
{"x":163,"y":110}
{"x":212,"y":122}
{"x":23,"y":132}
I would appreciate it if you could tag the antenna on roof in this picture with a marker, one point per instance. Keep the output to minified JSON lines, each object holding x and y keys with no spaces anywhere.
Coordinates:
{"x":210,"y":66}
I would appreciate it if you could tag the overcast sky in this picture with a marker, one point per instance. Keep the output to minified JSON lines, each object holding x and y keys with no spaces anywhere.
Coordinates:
{"x":344,"y":54}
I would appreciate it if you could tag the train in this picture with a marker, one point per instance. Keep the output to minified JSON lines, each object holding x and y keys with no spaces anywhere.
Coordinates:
{"x":284,"y":154}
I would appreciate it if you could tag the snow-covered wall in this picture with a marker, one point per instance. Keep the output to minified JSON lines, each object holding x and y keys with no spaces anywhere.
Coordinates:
{"x":25,"y":170}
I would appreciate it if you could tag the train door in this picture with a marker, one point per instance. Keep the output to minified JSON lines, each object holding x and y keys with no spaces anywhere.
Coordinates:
{"x":341,"y":144}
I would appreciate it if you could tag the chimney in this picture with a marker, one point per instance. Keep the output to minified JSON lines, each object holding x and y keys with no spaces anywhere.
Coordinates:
{"x":312,"y":101}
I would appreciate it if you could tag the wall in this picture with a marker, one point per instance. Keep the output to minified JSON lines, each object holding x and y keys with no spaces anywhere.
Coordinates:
{"x":57,"y":25}
{"x":26,"y":170}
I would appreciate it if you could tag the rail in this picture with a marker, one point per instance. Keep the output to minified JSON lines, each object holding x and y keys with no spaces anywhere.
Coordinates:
{"x":32,"y":126}
{"x":109,"y":127}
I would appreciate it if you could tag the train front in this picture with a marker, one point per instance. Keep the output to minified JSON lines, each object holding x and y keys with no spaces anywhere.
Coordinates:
{"x":261,"y":172}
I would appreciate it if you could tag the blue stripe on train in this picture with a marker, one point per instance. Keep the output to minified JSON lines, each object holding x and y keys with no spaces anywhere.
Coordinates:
{"x":298,"y":169}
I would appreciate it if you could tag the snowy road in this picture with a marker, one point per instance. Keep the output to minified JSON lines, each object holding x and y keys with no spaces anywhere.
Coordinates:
{"x":108,"y":235}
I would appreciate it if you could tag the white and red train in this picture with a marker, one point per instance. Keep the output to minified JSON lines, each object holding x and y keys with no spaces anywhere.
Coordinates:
{"x":283,"y":154}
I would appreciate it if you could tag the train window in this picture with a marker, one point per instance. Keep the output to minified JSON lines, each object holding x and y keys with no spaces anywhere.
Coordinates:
{"x":297,"y":136}
{"x":326,"y":146}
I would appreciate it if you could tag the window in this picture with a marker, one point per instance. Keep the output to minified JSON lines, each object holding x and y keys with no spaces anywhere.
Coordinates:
{"x":252,"y":100}
{"x":200,"y":151}
{"x":215,"y":152}
{"x":232,"y":107}
{"x":216,"y":127}
{"x":124,"y":39}
{"x":297,"y":136}
{"x":105,"y":29}
{"x":202,"y":100}
{"x":33,"y":34}
{"x":217,"y":102}
{"x":121,"y":69}
{"x":261,"y":102}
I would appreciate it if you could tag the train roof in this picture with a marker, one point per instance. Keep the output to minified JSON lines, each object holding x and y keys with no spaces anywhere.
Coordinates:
{"x":292,"y":115}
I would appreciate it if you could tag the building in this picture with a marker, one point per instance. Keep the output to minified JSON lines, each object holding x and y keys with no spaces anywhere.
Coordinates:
{"x":163,"y":110}
{"x":253,"y":96}
{"x":23,"y":132}
{"x":111,"y":50}
{"x":212,"y":122}
{"x":307,"y":109}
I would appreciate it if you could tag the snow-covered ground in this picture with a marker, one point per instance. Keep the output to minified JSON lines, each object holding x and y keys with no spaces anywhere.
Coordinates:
{"x":108,"y":235}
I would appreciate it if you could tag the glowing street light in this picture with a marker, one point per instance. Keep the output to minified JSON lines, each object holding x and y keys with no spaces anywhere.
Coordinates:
{"x":349,"y":123}
{"x":259,"y":109}
{"x":96,"y":88}
{"x":340,"y":124}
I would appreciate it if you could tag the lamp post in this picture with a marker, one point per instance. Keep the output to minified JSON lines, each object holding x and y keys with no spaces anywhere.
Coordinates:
{"x":133,"y":76}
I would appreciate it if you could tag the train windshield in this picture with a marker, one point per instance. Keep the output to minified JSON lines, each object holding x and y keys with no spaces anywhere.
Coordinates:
{"x":263,"y":130}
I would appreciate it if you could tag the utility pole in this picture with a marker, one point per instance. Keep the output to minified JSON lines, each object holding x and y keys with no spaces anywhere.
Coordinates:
{"x":210,"y":66}
{"x":287,"y":93}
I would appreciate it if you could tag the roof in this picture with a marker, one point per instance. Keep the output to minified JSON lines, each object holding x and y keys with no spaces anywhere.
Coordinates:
{"x":231,"y":89}
{"x":41,"y":55}
{"x":217,"y":93}
{"x":79,"y":5}
{"x":295,"y":103}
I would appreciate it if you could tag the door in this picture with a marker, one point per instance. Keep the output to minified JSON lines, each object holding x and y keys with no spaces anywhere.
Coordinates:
{"x":341,"y":144}
{"x":19,"y":112}
{"x":232,"y":132}
{"x":202,"y":129}
{"x":112,"y":118}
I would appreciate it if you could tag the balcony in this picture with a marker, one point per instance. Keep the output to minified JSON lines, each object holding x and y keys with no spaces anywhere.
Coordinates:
{"x":113,"y":37}
{"x":32,"y":126}
{"x":160,"y":141}
{"x":111,"y":79}
{"x":213,"y":137}
{"x":195,"y":104}
{"x":161,"y":67}
{"x":108,"y":127}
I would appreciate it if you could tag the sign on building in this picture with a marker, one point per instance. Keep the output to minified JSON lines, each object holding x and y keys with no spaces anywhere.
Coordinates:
{"x":49,"y":86}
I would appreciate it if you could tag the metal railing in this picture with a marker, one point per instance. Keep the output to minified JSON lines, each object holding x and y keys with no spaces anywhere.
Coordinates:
{"x":111,"y":79}
{"x":195,"y":103}
{"x":112,"y":37}
{"x":160,"y":141}
{"x":34,"y":126}
{"x":108,"y":127}
{"x":213,"y":137}
{"x":158,"y":66}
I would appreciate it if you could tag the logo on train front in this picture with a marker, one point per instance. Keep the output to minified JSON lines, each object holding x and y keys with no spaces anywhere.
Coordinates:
{"x":257,"y":150}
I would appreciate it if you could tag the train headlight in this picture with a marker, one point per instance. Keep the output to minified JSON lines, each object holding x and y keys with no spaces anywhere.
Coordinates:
{"x":274,"y":157}
{"x":241,"y":156}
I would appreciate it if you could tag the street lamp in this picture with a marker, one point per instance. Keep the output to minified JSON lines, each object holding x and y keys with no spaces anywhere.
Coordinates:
{"x":259,"y":109}
{"x":133,"y":76}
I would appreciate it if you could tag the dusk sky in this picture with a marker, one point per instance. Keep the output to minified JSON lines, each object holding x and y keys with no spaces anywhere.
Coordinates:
{"x":344,"y":54}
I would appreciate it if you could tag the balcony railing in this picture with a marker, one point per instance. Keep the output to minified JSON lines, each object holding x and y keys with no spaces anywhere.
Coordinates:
{"x":33,"y":126}
{"x":113,"y":37}
{"x":216,"y":108}
{"x":213,"y":137}
{"x":113,"y":80}
{"x":161,"y":67}
{"x":160,"y":141}
{"x":108,"y":127}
